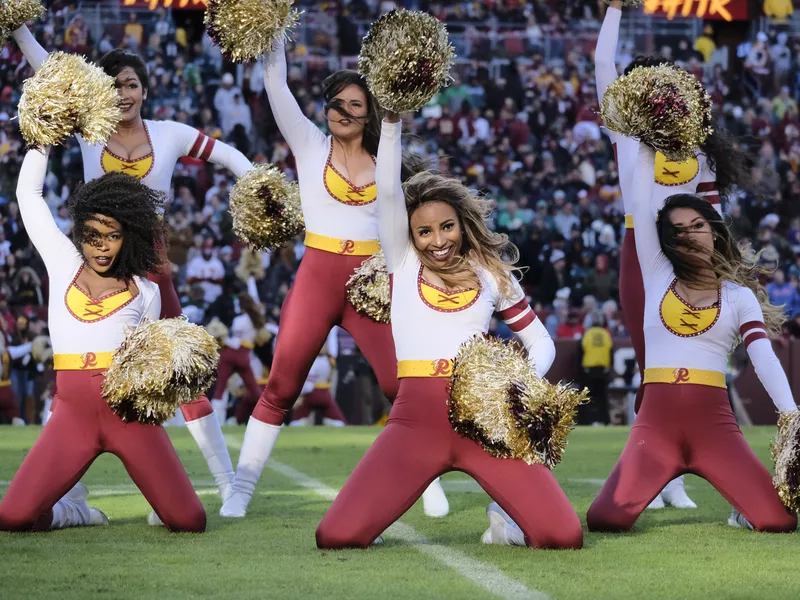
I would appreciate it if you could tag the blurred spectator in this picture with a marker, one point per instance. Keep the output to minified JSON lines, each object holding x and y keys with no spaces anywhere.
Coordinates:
{"x":782,"y":293}
{"x":597,"y":348}
{"x":571,"y":328}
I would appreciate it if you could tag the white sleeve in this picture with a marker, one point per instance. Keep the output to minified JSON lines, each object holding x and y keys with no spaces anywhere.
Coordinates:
{"x":392,"y":213}
{"x":333,"y":343}
{"x":605,"y":69}
{"x":529,"y":329}
{"x":190,"y":142}
{"x":252,"y":289}
{"x":648,"y":248}
{"x":296,"y":129}
{"x":308,"y":387}
{"x":16,"y":352}
{"x":54,"y":247}
{"x":33,"y":51}
{"x":759,"y":348}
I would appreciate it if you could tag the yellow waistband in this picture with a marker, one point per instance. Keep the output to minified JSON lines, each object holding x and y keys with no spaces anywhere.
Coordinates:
{"x":628,"y":221}
{"x":5,"y":383}
{"x":248,"y":345}
{"x":82,"y":362}
{"x":683,"y":376}
{"x":322,"y":386}
{"x":337,"y":246}
{"x":424,"y":368}
{"x":262,"y":381}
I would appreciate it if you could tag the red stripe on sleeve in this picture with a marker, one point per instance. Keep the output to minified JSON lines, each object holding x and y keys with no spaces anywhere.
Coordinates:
{"x":518,"y":326}
{"x":207,"y":150}
{"x":758,"y":335}
{"x":198,"y":143}
{"x":513,"y":311}
{"x":751,"y":325}
{"x":713,"y":199}
{"x":707,"y":186}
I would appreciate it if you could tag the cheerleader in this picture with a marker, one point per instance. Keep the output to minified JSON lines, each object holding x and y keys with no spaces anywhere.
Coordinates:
{"x":98,"y":289}
{"x":701,"y":296}
{"x":9,"y":404}
{"x":448,"y":280}
{"x":715,"y":170}
{"x":337,"y":188}
{"x":316,"y":394}
{"x":149,"y":150}
{"x":236,"y":355}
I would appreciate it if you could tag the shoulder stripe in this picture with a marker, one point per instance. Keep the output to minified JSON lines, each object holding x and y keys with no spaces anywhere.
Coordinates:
{"x":198,"y":143}
{"x":750,"y":325}
{"x":707,"y":186}
{"x":514,"y":311}
{"x":208,"y":149}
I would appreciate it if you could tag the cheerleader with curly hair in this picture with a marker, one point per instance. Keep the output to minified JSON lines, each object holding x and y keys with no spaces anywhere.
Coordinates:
{"x":149,"y":151}
{"x":98,"y":289}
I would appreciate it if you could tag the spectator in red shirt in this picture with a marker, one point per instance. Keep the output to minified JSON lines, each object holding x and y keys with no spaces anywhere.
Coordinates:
{"x":572,"y":328}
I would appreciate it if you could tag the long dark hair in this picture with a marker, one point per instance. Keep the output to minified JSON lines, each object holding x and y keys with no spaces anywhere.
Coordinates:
{"x":729,"y":261}
{"x":334,"y":84}
{"x":126,"y":199}
{"x":251,"y":309}
{"x":729,"y":163}
{"x":113,"y":61}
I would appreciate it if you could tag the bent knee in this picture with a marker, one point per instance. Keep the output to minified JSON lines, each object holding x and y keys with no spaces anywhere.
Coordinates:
{"x":602,"y":519}
{"x":333,"y":536}
{"x":17,"y":520}
{"x":778,"y":523}
{"x":188,"y":521}
{"x":564,"y":537}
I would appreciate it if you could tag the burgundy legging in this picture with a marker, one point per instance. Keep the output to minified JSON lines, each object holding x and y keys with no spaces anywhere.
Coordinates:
{"x":317,"y":302}
{"x":236,"y":361}
{"x":631,"y":299}
{"x":322,"y":400}
{"x":8,"y":402}
{"x":416,"y":446}
{"x":171,"y":308}
{"x":83,"y":427}
{"x":687,"y":429}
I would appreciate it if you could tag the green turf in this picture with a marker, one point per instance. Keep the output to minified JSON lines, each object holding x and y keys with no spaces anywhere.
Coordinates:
{"x":271,"y":554}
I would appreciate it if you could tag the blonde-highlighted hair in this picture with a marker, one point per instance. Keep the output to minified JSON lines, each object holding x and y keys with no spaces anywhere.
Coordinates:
{"x":730,"y":260}
{"x":480,"y":246}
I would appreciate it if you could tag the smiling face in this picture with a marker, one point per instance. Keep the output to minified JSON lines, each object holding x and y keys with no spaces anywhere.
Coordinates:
{"x":694,"y":228}
{"x":353,"y":102}
{"x":102,"y":243}
{"x":131,"y":94}
{"x":437,"y":232}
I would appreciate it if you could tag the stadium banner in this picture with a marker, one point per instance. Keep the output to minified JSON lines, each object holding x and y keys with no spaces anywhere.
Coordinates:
{"x":722,"y":10}
{"x":154,"y":4}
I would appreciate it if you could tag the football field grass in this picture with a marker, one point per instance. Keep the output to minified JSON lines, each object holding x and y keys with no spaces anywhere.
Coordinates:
{"x":670,"y":554}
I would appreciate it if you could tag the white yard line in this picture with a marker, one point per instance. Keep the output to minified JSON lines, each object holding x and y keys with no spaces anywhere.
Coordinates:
{"x":484,"y":575}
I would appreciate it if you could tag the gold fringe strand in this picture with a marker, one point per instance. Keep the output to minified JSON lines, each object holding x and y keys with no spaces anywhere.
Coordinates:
{"x":368,"y":289}
{"x":664,"y":107}
{"x":406,"y":58}
{"x":266,"y":209}
{"x":15,"y":13}
{"x":160,"y":366}
{"x":786,"y":460}
{"x":246,"y":29}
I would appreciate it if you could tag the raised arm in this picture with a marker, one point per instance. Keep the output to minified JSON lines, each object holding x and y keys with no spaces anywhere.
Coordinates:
{"x":759,"y":348}
{"x":392,"y":214}
{"x":530,"y":330}
{"x":56,"y":249}
{"x":191,"y":142}
{"x":33,"y":51}
{"x":296,"y":129}
{"x":605,"y":68}
{"x":648,"y":247}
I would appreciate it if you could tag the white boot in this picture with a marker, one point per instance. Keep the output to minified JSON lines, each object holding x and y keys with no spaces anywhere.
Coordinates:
{"x":259,"y":439}
{"x":332,"y":422}
{"x":16,"y":421}
{"x":208,"y":435}
{"x":302,"y":422}
{"x":502,"y":529}
{"x":737,"y":520}
{"x":674,"y":494}
{"x":657,"y":502}
{"x":220,"y":409}
{"x":434,"y":502}
{"x":73,"y":511}
{"x":46,"y":412}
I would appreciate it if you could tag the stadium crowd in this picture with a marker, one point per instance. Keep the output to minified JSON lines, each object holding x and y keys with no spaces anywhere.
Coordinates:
{"x":530,"y":139}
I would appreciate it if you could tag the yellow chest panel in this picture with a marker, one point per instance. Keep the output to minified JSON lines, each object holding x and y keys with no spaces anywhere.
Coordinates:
{"x":684,"y":320}
{"x":89,"y":310}
{"x":446,"y":301}
{"x":138,"y":168}
{"x":671,"y":173}
{"x":343,"y":191}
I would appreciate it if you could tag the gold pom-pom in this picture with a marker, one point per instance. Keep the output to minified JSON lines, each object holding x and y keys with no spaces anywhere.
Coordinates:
{"x":266,"y":209}
{"x":218,"y":331}
{"x":629,"y":3}
{"x":497,"y":400}
{"x":15,"y":13}
{"x":786,"y":459}
{"x":68,"y":95}
{"x":246,"y":29}
{"x":160,"y":366}
{"x":41,"y":349}
{"x":406,"y":58}
{"x":664,"y":107}
{"x":368,"y":289}
{"x":263,"y":336}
